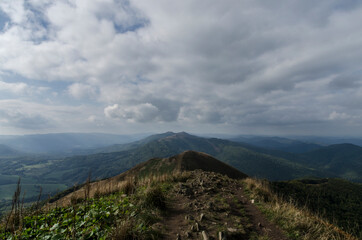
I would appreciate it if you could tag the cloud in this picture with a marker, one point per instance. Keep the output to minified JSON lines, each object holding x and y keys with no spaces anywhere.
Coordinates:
{"x":140,"y":113}
{"x":190,"y":63}
{"x":20,"y":89}
{"x":346,"y":81}
{"x":13,"y":87}
{"x":25,"y":121}
{"x":79,"y":90}
{"x":338,"y":116}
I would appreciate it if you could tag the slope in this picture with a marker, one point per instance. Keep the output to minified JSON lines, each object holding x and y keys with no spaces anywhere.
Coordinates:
{"x":7,"y":151}
{"x":345,"y":160}
{"x":175,"y":205}
{"x":278,"y":143}
{"x":337,"y":200}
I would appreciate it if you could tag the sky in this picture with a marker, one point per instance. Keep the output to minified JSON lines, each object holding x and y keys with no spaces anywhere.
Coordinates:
{"x":282,"y":67}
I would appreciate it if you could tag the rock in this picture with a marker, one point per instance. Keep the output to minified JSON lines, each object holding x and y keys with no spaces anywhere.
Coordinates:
{"x":197,"y":227}
{"x":252,"y":201}
{"x":221,"y":236}
{"x":205,"y":236}
{"x":232,"y":230}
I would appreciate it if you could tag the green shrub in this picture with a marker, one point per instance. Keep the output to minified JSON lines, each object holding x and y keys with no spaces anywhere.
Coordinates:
{"x":155,"y":197}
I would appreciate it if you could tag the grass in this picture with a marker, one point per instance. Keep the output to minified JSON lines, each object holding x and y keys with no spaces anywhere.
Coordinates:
{"x":128,"y":209}
{"x":297,"y":222}
{"x":101,"y":210}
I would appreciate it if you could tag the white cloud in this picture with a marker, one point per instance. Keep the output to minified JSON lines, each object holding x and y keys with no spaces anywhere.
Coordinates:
{"x":192,"y":62}
{"x":139,"y":113}
{"x":22,"y":120}
{"x":20,"y":89}
{"x":14,"y":9}
{"x":13,"y":87}
{"x":92,"y":118}
{"x":79,"y":90}
{"x":338,"y":116}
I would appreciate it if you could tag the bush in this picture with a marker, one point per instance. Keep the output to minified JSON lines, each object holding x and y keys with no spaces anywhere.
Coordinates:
{"x":155,"y":197}
{"x":129,"y":187}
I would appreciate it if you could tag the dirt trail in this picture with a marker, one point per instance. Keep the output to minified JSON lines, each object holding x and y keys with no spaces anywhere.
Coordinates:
{"x":261,"y":225}
{"x":214,"y":203}
{"x":174,"y":223}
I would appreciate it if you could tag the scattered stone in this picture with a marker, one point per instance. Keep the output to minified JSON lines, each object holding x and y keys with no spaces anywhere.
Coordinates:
{"x":252,"y":201}
{"x":221,"y":236}
{"x":202,"y":216}
{"x":197,"y":227}
{"x":204,"y":235}
{"x":232,"y":230}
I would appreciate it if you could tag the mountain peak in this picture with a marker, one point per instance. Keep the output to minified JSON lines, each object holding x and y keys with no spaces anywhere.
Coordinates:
{"x":192,"y":160}
{"x":186,"y":161}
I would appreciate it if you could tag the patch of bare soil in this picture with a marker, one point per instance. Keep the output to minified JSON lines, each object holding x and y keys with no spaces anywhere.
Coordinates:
{"x":212,"y":206}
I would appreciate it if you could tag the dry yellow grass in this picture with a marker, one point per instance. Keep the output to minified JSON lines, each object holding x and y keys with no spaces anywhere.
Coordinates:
{"x":297,"y":222}
{"x":126,"y":184}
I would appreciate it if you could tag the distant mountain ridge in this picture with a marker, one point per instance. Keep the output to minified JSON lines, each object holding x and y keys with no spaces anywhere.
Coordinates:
{"x":165,"y":145}
{"x":7,"y":151}
{"x":64,"y":142}
{"x":279,"y":143}
{"x":345,"y":160}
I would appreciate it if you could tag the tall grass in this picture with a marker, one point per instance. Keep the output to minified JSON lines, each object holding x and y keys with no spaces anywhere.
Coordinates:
{"x":298,"y":223}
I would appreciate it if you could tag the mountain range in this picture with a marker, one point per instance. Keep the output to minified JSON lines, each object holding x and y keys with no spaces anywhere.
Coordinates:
{"x":55,"y":172}
{"x":123,"y":157}
{"x":157,"y":156}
